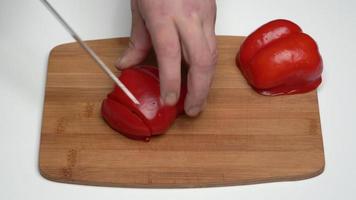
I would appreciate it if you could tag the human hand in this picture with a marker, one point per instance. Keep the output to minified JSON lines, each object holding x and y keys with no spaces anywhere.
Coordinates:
{"x":175,"y":28}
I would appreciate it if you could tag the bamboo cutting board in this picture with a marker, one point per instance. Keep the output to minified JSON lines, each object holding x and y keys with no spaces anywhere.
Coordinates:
{"x":241,"y":137}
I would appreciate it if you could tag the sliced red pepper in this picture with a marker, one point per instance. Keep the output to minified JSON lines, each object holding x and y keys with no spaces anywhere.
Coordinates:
{"x":149,"y":118}
{"x":278,"y":58}
{"x":132,"y":126}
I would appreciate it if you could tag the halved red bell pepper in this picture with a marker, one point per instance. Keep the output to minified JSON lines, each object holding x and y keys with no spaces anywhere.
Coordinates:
{"x":149,"y":118}
{"x":278,"y":58}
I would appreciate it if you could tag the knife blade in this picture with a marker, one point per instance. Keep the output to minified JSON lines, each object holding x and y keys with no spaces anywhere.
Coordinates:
{"x":95,"y":57}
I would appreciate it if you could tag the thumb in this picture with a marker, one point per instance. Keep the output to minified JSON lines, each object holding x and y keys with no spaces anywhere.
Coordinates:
{"x":140,"y":41}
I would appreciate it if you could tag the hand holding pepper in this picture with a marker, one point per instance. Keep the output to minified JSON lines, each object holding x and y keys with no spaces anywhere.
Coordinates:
{"x":175,"y":29}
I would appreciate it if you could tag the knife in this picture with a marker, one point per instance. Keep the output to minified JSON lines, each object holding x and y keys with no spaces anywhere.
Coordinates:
{"x":96,"y":58}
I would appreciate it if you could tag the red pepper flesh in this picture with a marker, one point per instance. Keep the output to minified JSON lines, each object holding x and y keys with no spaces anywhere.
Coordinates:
{"x":142,"y":121}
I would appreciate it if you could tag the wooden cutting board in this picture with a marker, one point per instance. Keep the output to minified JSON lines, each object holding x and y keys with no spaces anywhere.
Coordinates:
{"x":241,"y":137}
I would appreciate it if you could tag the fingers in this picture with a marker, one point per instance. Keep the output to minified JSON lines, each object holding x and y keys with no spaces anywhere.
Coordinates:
{"x":209,"y":29}
{"x":139,"y":44}
{"x":166,"y":43}
{"x":192,"y":35}
{"x":200,"y":46}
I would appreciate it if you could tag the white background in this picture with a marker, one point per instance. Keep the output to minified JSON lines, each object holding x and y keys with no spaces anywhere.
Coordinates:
{"x":28,"y":32}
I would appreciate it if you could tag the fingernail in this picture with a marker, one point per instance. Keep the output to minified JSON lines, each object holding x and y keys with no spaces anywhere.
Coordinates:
{"x":120,"y":62}
{"x":194,"y":110}
{"x":170,"y":99}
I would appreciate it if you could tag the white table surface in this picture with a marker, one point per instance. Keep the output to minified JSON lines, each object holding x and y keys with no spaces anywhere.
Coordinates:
{"x":28,"y":32}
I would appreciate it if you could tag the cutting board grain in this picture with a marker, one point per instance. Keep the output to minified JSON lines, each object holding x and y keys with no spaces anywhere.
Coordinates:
{"x":241,"y":137}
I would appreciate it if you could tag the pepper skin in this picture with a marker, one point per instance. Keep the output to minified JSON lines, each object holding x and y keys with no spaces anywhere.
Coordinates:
{"x":278,"y":58}
{"x":142,"y":121}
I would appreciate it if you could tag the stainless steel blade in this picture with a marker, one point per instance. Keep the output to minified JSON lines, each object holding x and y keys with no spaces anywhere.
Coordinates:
{"x":103,"y":66}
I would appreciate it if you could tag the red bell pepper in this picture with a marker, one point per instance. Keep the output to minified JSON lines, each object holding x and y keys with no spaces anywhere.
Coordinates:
{"x":149,"y":118}
{"x":278,"y":58}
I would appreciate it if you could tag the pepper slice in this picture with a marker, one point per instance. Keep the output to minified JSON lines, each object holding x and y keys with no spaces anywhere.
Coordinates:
{"x":278,"y":58}
{"x":149,"y":118}
{"x":132,"y":126}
